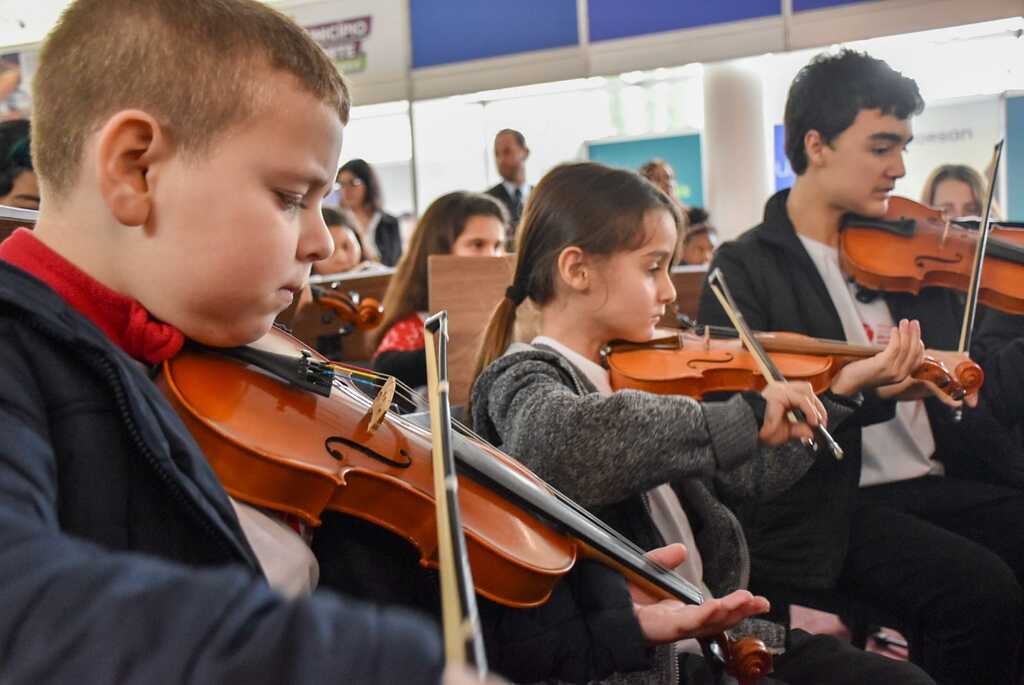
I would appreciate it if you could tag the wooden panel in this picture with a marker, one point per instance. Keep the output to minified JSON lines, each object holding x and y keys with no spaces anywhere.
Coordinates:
{"x":688,"y":280}
{"x":471,"y":287}
{"x":309,"y":321}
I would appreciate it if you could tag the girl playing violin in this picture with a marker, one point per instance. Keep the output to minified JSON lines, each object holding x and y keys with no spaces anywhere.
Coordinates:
{"x":594,"y":252}
{"x":459,"y":223}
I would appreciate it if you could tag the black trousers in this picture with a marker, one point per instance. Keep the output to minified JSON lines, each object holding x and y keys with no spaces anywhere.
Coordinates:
{"x":945,"y":557}
{"x":819,"y":660}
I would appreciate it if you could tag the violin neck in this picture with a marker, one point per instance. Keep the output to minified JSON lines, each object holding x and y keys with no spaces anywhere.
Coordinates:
{"x":815,"y":346}
{"x":772,"y":342}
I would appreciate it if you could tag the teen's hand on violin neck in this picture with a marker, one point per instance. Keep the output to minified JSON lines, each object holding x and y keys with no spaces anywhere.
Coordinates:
{"x":669,"y":620}
{"x":918,"y":389}
{"x":903,"y":354}
{"x":780,"y":399}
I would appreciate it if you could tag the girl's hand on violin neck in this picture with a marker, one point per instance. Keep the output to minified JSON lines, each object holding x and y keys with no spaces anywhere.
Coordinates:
{"x":781,"y":398}
{"x":918,"y":389}
{"x":669,"y":620}
{"x":894,"y":364}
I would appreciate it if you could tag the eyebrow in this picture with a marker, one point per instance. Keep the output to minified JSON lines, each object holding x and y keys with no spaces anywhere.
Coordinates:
{"x":658,"y":253}
{"x":891,"y":138}
{"x":313,"y":180}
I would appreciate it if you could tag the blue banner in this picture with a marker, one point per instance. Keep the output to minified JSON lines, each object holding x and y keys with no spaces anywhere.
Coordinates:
{"x":1015,"y":158}
{"x":610,"y":19}
{"x":781,"y":169}
{"x":802,"y":5}
{"x":448,"y":31}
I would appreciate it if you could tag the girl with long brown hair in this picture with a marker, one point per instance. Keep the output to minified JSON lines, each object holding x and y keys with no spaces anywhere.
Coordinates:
{"x":595,"y":246}
{"x":459,"y":223}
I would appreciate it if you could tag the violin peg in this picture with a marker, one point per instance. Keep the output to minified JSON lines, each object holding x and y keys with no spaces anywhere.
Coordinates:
{"x":380,"y":406}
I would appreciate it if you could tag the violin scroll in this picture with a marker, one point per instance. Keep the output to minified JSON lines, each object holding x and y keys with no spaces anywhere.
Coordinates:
{"x":747,"y":659}
{"x":363,"y":313}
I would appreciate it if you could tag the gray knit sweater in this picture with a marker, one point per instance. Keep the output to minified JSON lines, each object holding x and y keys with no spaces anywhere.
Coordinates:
{"x":606,"y":452}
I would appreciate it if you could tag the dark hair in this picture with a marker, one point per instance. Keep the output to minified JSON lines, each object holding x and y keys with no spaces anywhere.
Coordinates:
{"x":11,"y":134}
{"x":436,"y":233}
{"x":15,"y":161}
{"x":697,"y":224}
{"x":588,"y":205}
{"x":361,"y":169}
{"x":829,"y":92}
{"x":520,"y":138}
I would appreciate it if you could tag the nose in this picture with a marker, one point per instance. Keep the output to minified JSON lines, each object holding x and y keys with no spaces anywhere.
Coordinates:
{"x":899,"y":170}
{"x":315,"y":241}
{"x":666,"y":290}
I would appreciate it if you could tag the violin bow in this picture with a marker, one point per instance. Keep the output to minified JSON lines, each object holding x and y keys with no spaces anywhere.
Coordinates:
{"x":771,"y":373}
{"x":967,"y":329}
{"x":462,"y":633}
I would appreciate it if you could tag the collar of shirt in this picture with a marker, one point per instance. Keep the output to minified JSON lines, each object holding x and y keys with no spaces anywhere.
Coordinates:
{"x":125,"y":321}
{"x":594,"y":372}
{"x":510,"y":188}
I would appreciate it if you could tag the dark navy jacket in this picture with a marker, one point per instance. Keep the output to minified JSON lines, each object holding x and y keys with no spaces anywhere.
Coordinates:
{"x":121,"y":560}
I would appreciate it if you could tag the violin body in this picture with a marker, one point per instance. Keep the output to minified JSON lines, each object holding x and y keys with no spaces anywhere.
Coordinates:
{"x":691,"y":365}
{"x":291,"y":450}
{"x":699,"y":367}
{"x":283,"y":447}
{"x":912,"y":248}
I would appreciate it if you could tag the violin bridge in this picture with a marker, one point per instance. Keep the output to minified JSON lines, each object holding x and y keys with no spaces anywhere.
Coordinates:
{"x":381,"y":403}
{"x":945,"y":229}
{"x":707,"y":338}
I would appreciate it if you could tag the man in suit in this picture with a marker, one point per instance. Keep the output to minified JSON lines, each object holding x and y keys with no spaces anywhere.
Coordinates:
{"x":510,"y":153}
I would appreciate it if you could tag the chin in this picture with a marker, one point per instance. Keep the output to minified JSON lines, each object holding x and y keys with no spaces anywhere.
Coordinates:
{"x":233,"y":334}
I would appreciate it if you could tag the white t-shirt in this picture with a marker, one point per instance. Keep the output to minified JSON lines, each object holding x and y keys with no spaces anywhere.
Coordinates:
{"x":903,"y":447}
{"x":667,"y":513}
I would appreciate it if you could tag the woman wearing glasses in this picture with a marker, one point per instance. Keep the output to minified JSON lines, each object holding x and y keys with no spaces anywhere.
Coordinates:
{"x":361,"y":194}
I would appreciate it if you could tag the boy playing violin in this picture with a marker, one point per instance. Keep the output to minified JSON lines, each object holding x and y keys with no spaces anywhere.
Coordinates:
{"x":122,"y":559}
{"x":884,"y":525}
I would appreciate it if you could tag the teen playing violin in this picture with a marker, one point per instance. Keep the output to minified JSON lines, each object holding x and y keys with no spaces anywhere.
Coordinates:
{"x":941,"y":554}
{"x":595,"y":246}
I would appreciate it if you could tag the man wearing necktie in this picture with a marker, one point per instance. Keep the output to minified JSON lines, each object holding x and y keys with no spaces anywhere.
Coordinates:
{"x":510,"y":153}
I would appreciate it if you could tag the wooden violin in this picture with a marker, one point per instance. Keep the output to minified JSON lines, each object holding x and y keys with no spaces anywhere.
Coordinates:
{"x":914,"y":246}
{"x":693,"y":365}
{"x":283,"y":430}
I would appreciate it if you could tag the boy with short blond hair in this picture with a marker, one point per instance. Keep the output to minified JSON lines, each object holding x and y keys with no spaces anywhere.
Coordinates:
{"x":183,"y":150}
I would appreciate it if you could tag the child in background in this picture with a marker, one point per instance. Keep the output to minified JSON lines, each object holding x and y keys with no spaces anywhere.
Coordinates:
{"x":348,"y":248}
{"x":459,"y":223}
{"x":594,"y":253}
{"x":699,"y":238}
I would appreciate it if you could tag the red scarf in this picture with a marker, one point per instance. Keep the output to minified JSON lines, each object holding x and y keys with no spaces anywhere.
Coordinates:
{"x":123,"y":319}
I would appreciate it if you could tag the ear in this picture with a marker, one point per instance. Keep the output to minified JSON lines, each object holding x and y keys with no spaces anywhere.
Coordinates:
{"x":127,"y":147}
{"x":814,"y":148}
{"x":574,"y":269}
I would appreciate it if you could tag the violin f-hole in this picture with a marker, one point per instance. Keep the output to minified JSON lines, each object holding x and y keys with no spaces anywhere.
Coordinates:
{"x":331,"y":443}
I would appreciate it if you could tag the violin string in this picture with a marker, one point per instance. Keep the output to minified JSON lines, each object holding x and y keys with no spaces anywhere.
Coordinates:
{"x":376,"y":379}
{"x":409,"y":394}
